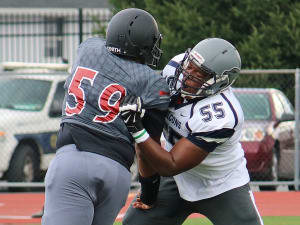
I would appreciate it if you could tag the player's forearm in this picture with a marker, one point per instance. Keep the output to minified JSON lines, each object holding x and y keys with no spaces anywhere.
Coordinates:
{"x":145,"y":169}
{"x":159,"y":159}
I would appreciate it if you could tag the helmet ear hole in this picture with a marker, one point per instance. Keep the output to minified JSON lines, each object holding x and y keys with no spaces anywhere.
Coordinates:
{"x":146,"y":48}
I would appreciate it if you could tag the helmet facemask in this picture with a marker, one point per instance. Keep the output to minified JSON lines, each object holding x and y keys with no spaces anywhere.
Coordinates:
{"x":153,"y":56}
{"x":200,"y":84}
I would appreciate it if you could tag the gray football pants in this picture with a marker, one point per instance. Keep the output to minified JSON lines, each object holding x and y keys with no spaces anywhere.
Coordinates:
{"x":84,"y":188}
{"x":234,"y":207}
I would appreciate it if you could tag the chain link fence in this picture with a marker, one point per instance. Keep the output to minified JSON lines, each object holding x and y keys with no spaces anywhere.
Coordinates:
{"x":270,"y":138}
{"x":30,"y":109}
{"x":29,"y":121}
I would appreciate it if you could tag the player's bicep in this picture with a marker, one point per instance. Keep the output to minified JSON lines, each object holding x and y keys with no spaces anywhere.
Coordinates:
{"x":209,"y":140}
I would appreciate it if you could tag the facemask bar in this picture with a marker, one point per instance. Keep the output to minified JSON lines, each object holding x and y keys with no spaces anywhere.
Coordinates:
{"x":199,"y":91}
{"x":156,"y":52}
{"x":176,"y":82}
{"x":198,"y":60}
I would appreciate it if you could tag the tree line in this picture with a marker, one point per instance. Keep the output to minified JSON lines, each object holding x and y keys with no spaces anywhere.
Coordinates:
{"x":266,"y":33}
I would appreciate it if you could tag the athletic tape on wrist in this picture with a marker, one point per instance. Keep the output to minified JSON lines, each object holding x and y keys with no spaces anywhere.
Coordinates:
{"x":140,"y":136}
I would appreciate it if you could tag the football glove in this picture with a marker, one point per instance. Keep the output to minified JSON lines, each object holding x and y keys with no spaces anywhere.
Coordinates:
{"x":132,"y":112}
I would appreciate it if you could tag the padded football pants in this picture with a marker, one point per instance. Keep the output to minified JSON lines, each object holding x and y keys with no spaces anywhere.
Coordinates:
{"x":234,"y":207}
{"x":84,"y":188}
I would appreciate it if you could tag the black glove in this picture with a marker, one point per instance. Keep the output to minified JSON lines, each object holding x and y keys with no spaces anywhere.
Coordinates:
{"x":132,"y":112}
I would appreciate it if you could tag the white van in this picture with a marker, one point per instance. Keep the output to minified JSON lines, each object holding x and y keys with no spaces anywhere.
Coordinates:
{"x":30,"y":112}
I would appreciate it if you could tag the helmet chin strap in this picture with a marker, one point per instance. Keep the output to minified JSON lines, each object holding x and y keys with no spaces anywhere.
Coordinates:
{"x":187,"y":95}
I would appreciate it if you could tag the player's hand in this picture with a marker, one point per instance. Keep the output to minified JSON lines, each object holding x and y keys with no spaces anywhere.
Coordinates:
{"x":132,"y":112}
{"x":138,"y":204}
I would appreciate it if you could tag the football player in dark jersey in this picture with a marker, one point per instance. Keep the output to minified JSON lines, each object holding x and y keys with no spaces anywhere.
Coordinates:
{"x":203,"y":162}
{"x":89,"y":179}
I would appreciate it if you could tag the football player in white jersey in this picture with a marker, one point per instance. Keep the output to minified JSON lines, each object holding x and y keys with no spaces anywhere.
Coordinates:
{"x":202,"y":168}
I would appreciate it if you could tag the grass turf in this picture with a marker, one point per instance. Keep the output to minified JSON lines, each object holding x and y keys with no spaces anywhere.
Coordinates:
{"x":268,"y":220}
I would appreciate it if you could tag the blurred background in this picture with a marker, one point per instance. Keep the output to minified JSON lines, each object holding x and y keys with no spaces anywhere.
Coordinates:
{"x":39,"y":39}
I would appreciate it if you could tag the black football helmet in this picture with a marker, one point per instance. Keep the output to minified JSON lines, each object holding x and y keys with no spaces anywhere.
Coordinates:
{"x":134,"y":32}
{"x":215,"y":57}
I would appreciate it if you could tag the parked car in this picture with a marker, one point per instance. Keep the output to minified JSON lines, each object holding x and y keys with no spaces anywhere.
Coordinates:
{"x":267,"y":136}
{"x":30,"y":115}
{"x":30,"y":109}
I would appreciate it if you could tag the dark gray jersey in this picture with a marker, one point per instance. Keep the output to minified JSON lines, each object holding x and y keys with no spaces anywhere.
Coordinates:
{"x":99,"y":80}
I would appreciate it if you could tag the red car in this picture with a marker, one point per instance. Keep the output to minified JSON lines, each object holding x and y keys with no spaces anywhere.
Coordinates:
{"x":267,"y":136}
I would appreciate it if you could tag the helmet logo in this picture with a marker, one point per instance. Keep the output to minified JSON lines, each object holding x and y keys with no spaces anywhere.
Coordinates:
{"x":198,"y":58}
{"x":114,"y":49}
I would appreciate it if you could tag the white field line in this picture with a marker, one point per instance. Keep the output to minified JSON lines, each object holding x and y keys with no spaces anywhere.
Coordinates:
{"x":120,"y":216}
{"x":15,"y":217}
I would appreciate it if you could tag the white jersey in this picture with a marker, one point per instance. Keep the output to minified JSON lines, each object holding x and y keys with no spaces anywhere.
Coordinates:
{"x":214,"y":124}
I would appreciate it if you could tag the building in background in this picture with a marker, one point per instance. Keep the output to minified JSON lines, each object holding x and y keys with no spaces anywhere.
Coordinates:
{"x":47,"y":35}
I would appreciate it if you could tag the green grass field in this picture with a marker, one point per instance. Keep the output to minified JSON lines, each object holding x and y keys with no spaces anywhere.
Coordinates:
{"x":268,"y":220}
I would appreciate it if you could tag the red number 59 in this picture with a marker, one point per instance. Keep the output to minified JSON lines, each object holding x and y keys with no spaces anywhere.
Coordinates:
{"x":110,"y":110}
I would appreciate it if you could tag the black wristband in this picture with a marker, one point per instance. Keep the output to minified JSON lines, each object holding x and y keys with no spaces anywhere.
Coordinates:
{"x":149,"y":188}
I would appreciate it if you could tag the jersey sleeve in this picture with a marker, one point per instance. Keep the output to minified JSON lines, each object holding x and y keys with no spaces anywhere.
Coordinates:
{"x":210,"y":125}
{"x":157,"y":94}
